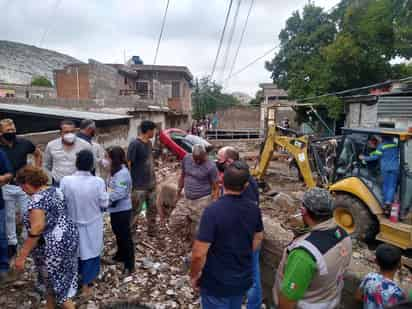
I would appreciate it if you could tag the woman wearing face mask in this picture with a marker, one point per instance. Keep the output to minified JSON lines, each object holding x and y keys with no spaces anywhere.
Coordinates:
{"x":52,"y":239}
{"x":120,"y":208}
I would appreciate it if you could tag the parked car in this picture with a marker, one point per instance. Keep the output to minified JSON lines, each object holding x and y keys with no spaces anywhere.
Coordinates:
{"x":180,"y":143}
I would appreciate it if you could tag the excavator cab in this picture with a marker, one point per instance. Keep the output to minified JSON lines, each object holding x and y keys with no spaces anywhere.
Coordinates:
{"x":357,"y":186}
{"x":334,"y":163}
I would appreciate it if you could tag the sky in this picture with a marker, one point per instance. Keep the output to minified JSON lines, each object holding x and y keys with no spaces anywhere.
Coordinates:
{"x":109,"y":30}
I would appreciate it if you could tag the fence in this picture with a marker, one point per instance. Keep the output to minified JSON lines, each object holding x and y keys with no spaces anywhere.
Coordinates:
{"x":233,"y":134}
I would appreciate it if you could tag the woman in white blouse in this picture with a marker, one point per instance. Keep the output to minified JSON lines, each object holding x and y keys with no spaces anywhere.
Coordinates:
{"x":86,"y":199}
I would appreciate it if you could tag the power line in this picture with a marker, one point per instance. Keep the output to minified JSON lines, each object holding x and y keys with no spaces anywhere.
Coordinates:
{"x":252,"y":63}
{"x":161,"y":32}
{"x":241,"y":38}
{"x":231,"y":34}
{"x":355,"y":89}
{"x":222,"y":36}
{"x":50,"y":19}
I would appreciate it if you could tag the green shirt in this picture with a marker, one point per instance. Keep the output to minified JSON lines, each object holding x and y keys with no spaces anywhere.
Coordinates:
{"x":298,"y":274}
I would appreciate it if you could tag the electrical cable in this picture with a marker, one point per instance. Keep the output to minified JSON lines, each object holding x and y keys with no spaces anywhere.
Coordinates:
{"x":252,"y":63}
{"x":230,"y":40}
{"x":222,"y":36}
{"x":50,"y":19}
{"x":354,"y":89}
{"x":161,"y":32}
{"x":241,"y":38}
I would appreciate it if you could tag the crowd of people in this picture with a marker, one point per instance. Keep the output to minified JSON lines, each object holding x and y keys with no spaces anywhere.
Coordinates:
{"x":201,"y":126}
{"x":61,"y":198}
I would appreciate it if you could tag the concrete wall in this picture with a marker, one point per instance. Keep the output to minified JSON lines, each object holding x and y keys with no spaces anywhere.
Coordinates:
{"x":362,"y":115}
{"x":158,"y":118}
{"x":123,"y":103}
{"x":104,"y":81}
{"x":178,"y":121}
{"x":239,"y":117}
{"x":26,"y":91}
{"x":106,"y":136}
{"x":181,"y":104}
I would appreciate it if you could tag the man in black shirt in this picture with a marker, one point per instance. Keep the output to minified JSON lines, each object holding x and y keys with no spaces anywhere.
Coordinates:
{"x":140,"y":159}
{"x":16,"y":149}
{"x":222,"y":257}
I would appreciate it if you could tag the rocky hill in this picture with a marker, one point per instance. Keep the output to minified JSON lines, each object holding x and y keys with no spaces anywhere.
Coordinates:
{"x":20,"y":62}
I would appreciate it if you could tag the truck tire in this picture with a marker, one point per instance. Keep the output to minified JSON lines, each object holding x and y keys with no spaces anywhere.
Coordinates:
{"x":352,"y":215}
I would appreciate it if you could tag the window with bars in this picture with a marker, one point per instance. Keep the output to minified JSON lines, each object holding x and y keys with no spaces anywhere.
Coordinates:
{"x":175,"y":89}
{"x":142,"y":88}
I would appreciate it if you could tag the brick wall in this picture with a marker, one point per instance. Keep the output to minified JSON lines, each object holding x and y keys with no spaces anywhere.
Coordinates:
{"x":72,"y":82}
{"x":239,"y":117}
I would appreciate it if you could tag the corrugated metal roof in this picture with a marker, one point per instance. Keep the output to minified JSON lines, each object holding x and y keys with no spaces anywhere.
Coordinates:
{"x":395,"y":107}
{"x":59,"y":112}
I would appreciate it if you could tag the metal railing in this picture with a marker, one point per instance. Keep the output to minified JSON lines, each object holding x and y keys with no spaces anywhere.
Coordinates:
{"x":141,"y":94}
{"x":233,"y":134}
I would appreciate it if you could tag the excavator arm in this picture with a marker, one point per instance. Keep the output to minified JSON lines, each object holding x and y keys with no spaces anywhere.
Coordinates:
{"x":295,"y":146}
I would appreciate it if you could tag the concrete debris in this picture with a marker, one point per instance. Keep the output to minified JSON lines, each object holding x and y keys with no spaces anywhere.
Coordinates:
{"x":160,"y":280}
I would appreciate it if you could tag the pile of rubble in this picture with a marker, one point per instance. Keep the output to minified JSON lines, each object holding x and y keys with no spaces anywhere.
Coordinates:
{"x":160,"y":281}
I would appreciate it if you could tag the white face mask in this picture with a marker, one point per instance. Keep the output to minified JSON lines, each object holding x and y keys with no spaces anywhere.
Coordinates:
{"x":106,"y":163}
{"x":69,"y":138}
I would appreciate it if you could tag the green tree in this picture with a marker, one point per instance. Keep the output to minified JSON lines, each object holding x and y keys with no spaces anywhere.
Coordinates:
{"x":352,"y":46}
{"x":257,"y":99}
{"x":207,"y":98}
{"x":41,"y":81}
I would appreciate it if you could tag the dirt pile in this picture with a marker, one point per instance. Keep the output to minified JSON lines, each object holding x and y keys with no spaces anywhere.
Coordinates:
{"x":160,"y":280}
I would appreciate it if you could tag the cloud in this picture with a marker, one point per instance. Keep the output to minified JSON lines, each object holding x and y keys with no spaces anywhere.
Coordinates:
{"x":105,"y":29}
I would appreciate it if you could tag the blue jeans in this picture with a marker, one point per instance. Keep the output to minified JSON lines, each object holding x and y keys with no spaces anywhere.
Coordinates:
{"x":213,"y":302}
{"x":254,"y":295}
{"x":4,"y":256}
{"x":14,"y":199}
{"x":390,"y":182}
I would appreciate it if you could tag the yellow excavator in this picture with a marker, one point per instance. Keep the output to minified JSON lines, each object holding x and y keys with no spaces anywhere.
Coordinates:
{"x":355,"y":185}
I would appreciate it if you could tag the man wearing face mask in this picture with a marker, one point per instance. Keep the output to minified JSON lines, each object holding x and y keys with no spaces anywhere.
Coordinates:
{"x":87,"y":133}
{"x":199,"y":179}
{"x":16,"y":149}
{"x":60,"y":154}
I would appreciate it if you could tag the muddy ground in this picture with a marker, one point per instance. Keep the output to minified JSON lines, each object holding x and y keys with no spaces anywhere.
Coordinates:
{"x":161,"y":279}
